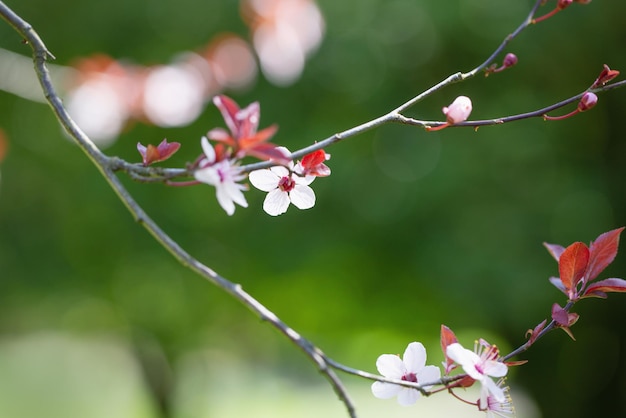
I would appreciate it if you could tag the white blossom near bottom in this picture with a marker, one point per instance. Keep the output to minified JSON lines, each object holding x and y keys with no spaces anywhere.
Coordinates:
{"x":481,"y":366}
{"x":283,"y":187}
{"x":411,"y":368}
{"x":223,"y":175}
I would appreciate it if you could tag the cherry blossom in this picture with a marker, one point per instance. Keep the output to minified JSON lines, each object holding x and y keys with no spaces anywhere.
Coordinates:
{"x":224,"y":175}
{"x":481,"y":365}
{"x":284,"y":186}
{"x":496,"y":408}
{"x":411,"y":368}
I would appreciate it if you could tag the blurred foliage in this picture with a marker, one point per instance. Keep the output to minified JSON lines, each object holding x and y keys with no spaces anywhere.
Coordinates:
{"x":411,"y":230}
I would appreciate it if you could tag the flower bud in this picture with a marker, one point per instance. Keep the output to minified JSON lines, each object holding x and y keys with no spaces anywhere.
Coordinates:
{"x":510,"y":60}
{"x":459,"y":110}
{"x":588,"y":101}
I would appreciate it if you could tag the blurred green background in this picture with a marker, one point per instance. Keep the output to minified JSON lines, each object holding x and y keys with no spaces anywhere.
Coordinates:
{"x":412,"y":230}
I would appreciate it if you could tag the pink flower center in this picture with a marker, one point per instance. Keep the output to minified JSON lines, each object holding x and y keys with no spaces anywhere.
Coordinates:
{"x":410,"y":377}
{"x":286,"y":184}
{"x":479,"y":368}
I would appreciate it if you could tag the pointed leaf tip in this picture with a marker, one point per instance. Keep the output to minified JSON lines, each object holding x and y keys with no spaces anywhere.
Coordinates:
{"x":572,"y":266}
{"x":602,"y":252}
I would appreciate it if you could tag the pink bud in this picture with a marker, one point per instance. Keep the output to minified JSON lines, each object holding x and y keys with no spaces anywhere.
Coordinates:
{"x":459,"y":110}
{"x":588,"y":101}
{"x":509,"y":60}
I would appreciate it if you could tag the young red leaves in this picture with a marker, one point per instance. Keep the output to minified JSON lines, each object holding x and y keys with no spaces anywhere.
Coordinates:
{"x":579,"y":265}
{"x":564,"y":319}
{"x":447,"y":338}
{"x":572,"y":265}
{"x":161,"y":152}
{"x":243,"y":138}
{"x":605,"y":76}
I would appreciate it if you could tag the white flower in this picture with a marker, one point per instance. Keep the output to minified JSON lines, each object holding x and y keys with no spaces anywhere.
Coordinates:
{"x":410,"y":368}
{"x":495,"y":408}
{"x":480,"y":366}
{"x":283,"y":187}
{"x":223,"y":175}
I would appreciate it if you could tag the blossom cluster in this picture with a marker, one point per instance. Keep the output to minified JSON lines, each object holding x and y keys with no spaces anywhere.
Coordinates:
{"x":220,"y":164}
{"x":482,"y":364}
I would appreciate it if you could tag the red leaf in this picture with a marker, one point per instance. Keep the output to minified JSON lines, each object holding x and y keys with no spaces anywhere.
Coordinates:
{"x":564,"y":319}
{"x":162,"y":152}
{"x":534,"y":333}
{"x":555,"y":250}
{"x":572,"y":265}
{"x":447,"y":338}
{"x":229,"y":109}
{"x":600,"y":288}
{"x":560,"y":315}
{"x":602,"y":252}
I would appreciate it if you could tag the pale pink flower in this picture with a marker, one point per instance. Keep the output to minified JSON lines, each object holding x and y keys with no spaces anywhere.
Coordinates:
{"x":411,"y":368}
{"x":481,"y":366}
{"x":283,"y":187}
{"x":459,"y":110}
{"x":224,"y":175}
{"x":495,"y":408}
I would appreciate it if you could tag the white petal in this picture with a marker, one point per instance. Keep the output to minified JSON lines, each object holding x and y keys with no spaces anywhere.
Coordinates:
{"x":385,"y":390}
{"x":494,"y":389}
{"x":234,"y":192}
{"x":495,"y":368}
{"x":280,"y":171}
{"x":414,"y":357}
{"x":408,"y":396}
{"x":207,"y":175}
{"x":208,"y":149}
{"x":428,"y":374}
{"x":264,"y":180}
{"x":225,"y":201}
{"x":302,"y":197}
{"x":390,"y":365}
{"x":276,"y":202}
{"x":304,"y":180}
{"x":462,"y":355}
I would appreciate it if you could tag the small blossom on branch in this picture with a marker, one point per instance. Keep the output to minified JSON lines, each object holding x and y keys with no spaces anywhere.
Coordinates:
{"x":151,"y":154}
{"x":481,"y":364}
{"x":497,"y":408}
{"x":284,"y":186}
{"x":411,"y":368}
{"x":224,"y":175}
{"x":457,"y":112}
